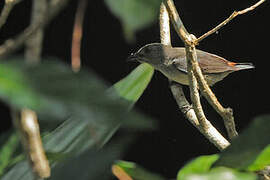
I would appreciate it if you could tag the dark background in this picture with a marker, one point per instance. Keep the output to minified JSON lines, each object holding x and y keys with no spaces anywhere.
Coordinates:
{"x":104,"y":49}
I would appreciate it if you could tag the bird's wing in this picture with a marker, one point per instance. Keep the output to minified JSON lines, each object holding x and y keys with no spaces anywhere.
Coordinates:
{"x":209,"y":63}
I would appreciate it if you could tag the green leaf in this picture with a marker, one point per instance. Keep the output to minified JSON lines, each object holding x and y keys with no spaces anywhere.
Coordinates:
{"x":53,"y":90}
{"x":134,"y":14}
{"x":71,"y":139}
{"x":199,"y":165}
{"x":130,"y":89}
{"x":221,"y":173}
{"x":245,"y":149}
{"x":91,"y":164}
{"x":7,"y":151}
{"x":132,"y":86}
{"x":262,"y":160}
{"x":137,"y":172}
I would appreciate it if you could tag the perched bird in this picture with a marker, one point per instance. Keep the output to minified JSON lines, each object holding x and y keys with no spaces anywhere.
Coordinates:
{"x":171,"y":61}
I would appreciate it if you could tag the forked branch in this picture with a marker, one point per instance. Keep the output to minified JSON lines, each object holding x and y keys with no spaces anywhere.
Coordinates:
{"x":190,"y":42}
{"x":201,"y":123}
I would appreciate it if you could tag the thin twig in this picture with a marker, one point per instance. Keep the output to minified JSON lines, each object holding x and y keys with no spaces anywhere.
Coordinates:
{"x":28,"y":129}
{"x":207,"y":129}
{"x":77,"y":36}
{"x":231,"y":17}
{"x":9,"y":4}
{"x":11,"y":45}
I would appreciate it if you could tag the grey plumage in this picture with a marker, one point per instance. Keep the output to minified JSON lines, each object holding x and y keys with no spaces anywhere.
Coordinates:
{"x":172,"y":63}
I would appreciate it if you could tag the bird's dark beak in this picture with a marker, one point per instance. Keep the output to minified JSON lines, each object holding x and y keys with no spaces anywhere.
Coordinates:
{"x":132,"y":58}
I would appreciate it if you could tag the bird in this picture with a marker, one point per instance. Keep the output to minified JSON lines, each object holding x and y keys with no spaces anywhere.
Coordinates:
{"x":171,"y":61}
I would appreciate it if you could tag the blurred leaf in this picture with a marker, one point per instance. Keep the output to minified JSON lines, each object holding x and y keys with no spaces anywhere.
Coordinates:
{"x":70,"y":139}
{"x":91,"y":164}
{"x":96,"y":117}
{"x":262,"y":160}
{"x":54,"y":91}
{"x":120,"y":174}
{"x":201,"y":164}
{"x":7,"y":151}
{"x":57,"y":156}
{"x":245,"y":149}
{"x":134,"y":14}
{"x":221,"y":173}
{"x":134,"y":84}
{"x":130,"y":89}
{"x":137,"y":172}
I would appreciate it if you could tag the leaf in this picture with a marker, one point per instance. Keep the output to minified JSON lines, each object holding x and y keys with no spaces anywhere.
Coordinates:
{"x":7,"y":151}
{"x":55,"y":92}
{"x":52,"y":85}
{"x":201,"y":164}
{"x":262,"y":160}
{"x":91,"y":164}
{"x":69,"y":140}
{"x":134,"y":14}
{"x":130,"y":89}
{"x":221,"y":173}
{"x":137,"y":172}
{"x":72,"y":137}
{"x":133,"y":85}
{"x":245,"y":149}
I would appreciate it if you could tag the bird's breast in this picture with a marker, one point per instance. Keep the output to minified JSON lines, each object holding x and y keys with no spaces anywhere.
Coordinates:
{"x":174,"y":74}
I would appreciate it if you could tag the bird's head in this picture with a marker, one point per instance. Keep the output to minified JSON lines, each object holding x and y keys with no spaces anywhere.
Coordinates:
{"x":152,"y":54}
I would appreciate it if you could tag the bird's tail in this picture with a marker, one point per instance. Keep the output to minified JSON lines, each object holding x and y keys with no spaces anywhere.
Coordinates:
{"x":241,"y":66}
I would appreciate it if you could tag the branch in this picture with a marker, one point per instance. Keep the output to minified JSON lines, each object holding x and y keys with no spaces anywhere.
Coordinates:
{"x":9,"y":4}
{"x":193,"y":87}
{"x":176,"y":21}
{"x":34,"y":42}
{"x":28,"y":129}
{"x":205,"y":127}
{"x":232,"y":16}
{"x":190,"y":42}
{"x":211,"y":132}
{"x":11,"y":45}
{"x":27,"y":124}
{"x":164,"y":23}
{"x":77,"y":36}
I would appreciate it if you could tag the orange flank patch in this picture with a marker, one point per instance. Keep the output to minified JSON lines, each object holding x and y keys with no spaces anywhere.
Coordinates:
{"x":231,"y":63}
{"x":120,"y":173}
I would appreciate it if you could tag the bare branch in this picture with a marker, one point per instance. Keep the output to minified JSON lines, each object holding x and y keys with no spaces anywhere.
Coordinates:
{"x":205,"y":127}
{"x":164,"y":23}
{"x":28,"y":125}
{"x":232,"y":16}
{"x":34,"y":42}
{"x":190,"y":42}
{"x":77,"y":36}
{"x":176,"y":21}
{"x":28,"y":129}
{"x":11,"y":45}
{"x":225,"y":113}
{"x":9,"y":4}
{"x":193,"y":87}
{"x":210,"y":133}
